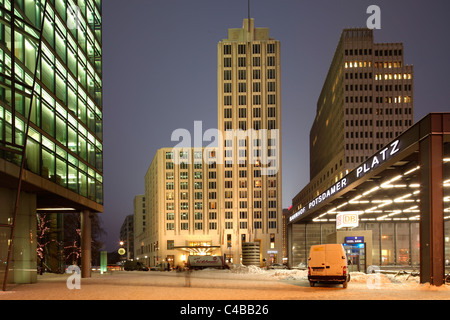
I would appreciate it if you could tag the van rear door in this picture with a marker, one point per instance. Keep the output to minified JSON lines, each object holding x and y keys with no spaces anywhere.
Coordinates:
{"x":317,"y":260}
{"x":334,"y":260}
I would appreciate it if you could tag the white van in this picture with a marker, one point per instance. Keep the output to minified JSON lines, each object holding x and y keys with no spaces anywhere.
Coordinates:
{"x":328,"y":263}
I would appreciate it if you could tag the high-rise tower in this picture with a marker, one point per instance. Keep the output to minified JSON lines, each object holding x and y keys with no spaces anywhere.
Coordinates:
{"x":249,"y":118}
{"x":366,"y":101}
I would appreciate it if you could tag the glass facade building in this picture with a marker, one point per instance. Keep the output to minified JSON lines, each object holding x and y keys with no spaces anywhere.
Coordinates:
{"x":51,"y":62}
{"x":391,"y":212}
{"x":51,"y":112}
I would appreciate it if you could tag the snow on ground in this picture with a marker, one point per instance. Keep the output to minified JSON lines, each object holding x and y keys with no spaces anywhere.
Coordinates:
{"x":377,"y":280}
{"x":238,"y":283}
{"x":400,"y":280}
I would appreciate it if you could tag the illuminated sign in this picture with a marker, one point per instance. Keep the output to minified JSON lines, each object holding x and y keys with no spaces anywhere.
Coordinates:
{"x":341,"y":184}
{"x":372,"y":163}
{"x":352,"y":240}
{"x":377,"y":159}
{"x":297,"y":214}
{"x":325,"y":195}
{"x":347,"y":220}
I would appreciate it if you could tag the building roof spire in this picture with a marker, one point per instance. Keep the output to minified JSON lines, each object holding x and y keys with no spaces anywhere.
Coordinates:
{"x":248,"y":14}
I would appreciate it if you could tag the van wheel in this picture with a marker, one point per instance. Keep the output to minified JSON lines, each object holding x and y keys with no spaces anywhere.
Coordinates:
{"x":344,"y":284}
{"x":311,"y":283}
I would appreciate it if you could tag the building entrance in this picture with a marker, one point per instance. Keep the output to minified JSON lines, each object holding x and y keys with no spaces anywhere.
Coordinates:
{"x":356,"y":256}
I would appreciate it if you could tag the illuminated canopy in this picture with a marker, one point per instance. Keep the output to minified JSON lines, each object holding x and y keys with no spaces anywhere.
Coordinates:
{"x":386,"y":187}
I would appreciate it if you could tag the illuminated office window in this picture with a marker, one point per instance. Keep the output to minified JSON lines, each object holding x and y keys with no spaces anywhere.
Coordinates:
{"x":65,"y":139}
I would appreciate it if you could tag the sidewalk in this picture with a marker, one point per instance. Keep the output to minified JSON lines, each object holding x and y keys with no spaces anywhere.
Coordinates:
{"x":220,"y":285}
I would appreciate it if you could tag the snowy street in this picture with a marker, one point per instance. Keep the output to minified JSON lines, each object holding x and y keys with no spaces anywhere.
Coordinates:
{"x":239,"y":283}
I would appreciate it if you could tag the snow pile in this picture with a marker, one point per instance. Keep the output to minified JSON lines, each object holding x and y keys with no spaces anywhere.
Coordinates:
{"x":361,"y":277}
{"x":241,"y":269}
{"x":374,"y":281}
{"x":290,"y":275}
{"x":262,"y":273}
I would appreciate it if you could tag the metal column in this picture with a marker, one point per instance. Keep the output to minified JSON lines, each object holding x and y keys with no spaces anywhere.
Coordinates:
{"x":432,"y":269}
{"x":86,"y":240}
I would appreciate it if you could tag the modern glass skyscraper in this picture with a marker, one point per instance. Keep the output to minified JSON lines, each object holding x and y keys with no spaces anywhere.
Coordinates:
{"x":50,"y":107}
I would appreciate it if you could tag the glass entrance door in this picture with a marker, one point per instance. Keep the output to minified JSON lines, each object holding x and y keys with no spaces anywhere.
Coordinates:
{"x":356,"y":257}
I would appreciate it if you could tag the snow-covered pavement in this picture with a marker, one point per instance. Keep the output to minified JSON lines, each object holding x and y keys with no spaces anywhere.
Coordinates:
{"x":239,"y":283}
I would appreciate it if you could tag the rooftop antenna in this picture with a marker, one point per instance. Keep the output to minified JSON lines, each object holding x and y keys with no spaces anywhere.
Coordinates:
{"x":248,"y":15}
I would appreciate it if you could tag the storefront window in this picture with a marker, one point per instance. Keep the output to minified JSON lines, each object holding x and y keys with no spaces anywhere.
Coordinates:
{"x":387,"y":244}
{"x":313,"y":235}
{"x":375,"y":228}
{"x":298,"y":245}
{"x":402,"y":244}
{"x":415,"y":244}
{"x":326,"y":230}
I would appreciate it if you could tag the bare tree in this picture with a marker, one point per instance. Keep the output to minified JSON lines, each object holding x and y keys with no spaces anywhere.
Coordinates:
{"x":43,"y":239}
{"x":72,"y":237}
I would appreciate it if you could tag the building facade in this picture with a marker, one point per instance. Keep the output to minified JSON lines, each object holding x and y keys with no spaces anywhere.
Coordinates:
{"x":211,"y":200}
{"x":391,"y":212}
{"x":51,"y":111}
{"x":140,"y":220}
{"x":381,"y":188}
{"x":139,"y":213}
{"x":181,"y":208}
{"x":249,"y":118}
{"x":127,"y":237}
{"x":367,"y":100}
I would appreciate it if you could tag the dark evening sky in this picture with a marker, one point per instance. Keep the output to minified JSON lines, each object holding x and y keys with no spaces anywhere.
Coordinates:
{"x":160,"y":74}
